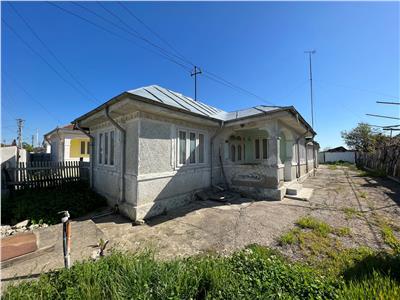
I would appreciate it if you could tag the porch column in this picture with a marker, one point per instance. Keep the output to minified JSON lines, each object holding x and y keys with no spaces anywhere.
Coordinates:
{"x":274,"y":151}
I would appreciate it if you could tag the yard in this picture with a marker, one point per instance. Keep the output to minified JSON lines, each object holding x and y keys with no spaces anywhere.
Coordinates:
{"x":343,"y":243}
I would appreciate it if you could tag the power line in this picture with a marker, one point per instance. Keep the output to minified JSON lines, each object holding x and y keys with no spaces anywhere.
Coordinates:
{"x":112,"y":32}
{"x":74,"y":78}
{"x":386,"y":117}
{"x":129,"y":11}
{"x":386,"y":102}
{"x":42,"y":58}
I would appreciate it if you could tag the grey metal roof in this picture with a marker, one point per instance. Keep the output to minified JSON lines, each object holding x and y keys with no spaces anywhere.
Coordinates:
{"x":177,"y":100}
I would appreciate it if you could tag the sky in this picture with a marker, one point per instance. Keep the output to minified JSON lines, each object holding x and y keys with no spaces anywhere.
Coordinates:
{"x":257,"y":46}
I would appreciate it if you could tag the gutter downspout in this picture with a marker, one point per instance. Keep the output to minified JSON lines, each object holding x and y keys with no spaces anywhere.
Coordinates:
{"x":314,"y":161}
{"x":91,"y":137}
{"x":123,"y":151}
{"x":211,"y":151}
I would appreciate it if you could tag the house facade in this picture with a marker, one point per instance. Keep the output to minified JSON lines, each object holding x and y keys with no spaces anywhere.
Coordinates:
{"x":153,"y":149}
{"x":68,"y":144}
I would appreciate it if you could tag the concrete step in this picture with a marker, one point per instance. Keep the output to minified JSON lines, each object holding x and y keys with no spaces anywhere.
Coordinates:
{"x":304,"y":194}
{"x":294,"y":189}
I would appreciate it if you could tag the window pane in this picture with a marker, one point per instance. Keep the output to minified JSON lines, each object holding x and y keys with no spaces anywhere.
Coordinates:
{"x":239,"y":152}
{"x":88,"y":148}
{"x":83,"y":144}
{"x":257,"y":148}
{"x":182,"y":147}
{"x":112,"y":148}
{"x":265,"y":148}
{"x":106,"y":148}
{"x":233,"y":152}
{"x":201,"y":148}
{"x":100,"y":148}
{"x":192,"y":154}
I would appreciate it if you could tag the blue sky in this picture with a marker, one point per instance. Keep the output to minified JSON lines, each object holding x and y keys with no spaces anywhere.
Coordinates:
{"x":258,"y":46}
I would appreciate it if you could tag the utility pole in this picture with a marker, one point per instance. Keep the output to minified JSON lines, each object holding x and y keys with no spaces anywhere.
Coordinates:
{"x":37,"y":137}
{"x":311,"y":85}
{"x":33,"y":140}
{"x":20,"y":125}
{"x":194,"y":73}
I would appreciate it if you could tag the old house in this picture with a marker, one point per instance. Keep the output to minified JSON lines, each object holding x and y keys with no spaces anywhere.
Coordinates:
{"x":68,"y":144}
{"x":153,"y":148}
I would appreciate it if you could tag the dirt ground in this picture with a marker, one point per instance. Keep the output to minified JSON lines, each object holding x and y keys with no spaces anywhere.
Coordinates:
{"x":211,"y":226}
{"x":207,"y":226}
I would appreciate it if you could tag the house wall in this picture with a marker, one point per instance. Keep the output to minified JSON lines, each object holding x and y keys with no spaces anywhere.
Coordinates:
{"x":349,"y":156}
{"x":162,"y":183}
{"x":75,"y":150}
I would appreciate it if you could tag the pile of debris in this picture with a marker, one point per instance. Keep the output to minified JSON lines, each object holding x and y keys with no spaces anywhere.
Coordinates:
{"x":24,"y":226}
{"x":218,"y":193}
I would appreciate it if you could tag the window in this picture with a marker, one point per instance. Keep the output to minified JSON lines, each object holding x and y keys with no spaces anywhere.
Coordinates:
{"x":201,"y":148}
{"x":100,"y":148}
{"x":106,"y":148}
{"x":182,"y":147}
{"x":233,"y":152}
{"x":239,"y":154}
{"x":88,"y":148}
{"x":257,"y":148}
{"x":83,"y":146}
{"x":192,"y":153}
{"x":111,"y":148}
{"x":265,"y":149}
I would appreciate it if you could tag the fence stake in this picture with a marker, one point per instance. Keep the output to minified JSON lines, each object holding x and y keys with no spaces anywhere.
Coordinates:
{"x":66,"y":238}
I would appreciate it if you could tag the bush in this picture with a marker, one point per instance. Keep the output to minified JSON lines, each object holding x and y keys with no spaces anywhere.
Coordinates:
{"x":43,"y":205}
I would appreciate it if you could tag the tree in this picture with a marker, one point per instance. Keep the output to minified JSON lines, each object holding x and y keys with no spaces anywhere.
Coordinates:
{"x":27,"y":147}
{"x":361,"y":138}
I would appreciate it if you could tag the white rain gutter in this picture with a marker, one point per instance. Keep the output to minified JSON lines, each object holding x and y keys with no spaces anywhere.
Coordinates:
{"x":211,"y":151}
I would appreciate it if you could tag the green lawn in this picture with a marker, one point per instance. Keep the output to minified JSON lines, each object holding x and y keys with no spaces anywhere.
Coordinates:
{"x":43,"y":205}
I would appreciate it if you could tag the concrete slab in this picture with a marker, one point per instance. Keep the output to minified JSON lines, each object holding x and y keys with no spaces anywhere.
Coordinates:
{"x":304,"y":194}
{"x":17,"y":245}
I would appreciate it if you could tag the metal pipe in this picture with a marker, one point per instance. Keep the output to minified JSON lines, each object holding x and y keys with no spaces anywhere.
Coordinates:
{"x":211,"y":151}
{"x":123,"y":152}
{"x":91,"y":137}
{"x":66,"y":238}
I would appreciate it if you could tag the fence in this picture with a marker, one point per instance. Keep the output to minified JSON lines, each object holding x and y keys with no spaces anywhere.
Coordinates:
{"x":349,"y":156}
{"x":45,"y":174}
{"x":386,"y":159}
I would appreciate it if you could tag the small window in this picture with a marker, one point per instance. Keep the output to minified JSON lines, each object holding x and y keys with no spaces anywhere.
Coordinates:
{"x":201,"y":148}
{"x":88,"y":148}
{"x":265,"y":148}
{"x":233,"y":152}
{"x":111,"y":147}
{"x":182,"y":147}
{"x":100,"y":148}
{"x":257,"y":148}
{"x":192,"y":154}
{"x":106,"y":148}
{"x":83,"y":146}
{"x":239,"y":152}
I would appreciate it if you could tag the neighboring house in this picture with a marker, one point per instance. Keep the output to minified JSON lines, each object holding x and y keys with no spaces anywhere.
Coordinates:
{"x":337,"y":154}
{"x":153,"y":148}
{"x":68,"y":144}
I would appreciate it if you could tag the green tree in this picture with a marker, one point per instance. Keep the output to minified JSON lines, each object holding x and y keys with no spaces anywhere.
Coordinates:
{"x":362,"y":138}
{"x":27,"y":147}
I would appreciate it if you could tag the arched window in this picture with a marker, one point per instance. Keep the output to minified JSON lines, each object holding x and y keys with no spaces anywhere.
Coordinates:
{"x":233,"y":152}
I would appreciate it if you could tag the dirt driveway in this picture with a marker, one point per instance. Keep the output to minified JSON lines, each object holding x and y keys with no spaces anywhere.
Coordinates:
{"x":342,"y":197}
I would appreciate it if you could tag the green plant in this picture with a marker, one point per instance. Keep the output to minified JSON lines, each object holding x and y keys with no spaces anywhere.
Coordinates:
{"x":289,"y":238}
{"x":43,"y":205}
{"x":318,"y":226}
{"x":363,"y":194}
{"x":351,"y":212}
{"x":342,"y":231}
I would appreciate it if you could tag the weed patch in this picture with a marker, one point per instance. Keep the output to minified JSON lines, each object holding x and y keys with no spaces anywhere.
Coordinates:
{"x":351,"y":212}
{"x":363,"y":194}
{"x":316,"y":225}
{"x":43,"y":205}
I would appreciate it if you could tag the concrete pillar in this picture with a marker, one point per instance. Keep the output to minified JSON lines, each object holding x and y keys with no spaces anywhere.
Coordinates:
{"x":274,"y":151}
{"x":290,"y":163}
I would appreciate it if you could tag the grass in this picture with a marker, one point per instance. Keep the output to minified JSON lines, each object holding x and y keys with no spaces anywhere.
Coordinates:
{"x":363,"y":194}
{"x":43,"y":205}
{"x":318,"y":226}
{"x":253,"y":273}
{"x":341,"y":163}
{"x":387,"y":233}
{"x":351,"y":212}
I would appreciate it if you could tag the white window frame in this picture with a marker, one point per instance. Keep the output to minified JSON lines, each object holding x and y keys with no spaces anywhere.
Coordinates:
{"x":197,"y":145}
{"x":102,"y":146}
{"x":261,"y":148}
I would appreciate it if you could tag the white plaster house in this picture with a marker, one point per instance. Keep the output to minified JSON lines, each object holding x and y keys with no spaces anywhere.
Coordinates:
{"x":68,"y":144}
{"x":153,"y":148}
